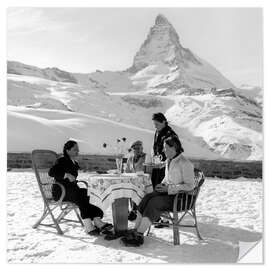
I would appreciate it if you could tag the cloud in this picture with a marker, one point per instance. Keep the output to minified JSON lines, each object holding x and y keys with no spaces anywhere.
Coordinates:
{"x":25,"y":21}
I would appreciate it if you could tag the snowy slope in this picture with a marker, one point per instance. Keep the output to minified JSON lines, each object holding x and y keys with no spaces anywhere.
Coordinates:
{"x":41,"y":128}
{"x":254,"y":92}
{"x":54,"y":74}
{"x":30,"y":128}
{"x":40,"y":109}
{"x":198,"y":120}
{"x":226,"y":124}
{"x":41,"y":93}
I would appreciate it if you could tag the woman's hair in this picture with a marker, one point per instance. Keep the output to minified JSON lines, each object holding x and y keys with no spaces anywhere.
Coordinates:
{"x":67,"y":146}
{"x":174,"y":141}
{"x":160,"y":117}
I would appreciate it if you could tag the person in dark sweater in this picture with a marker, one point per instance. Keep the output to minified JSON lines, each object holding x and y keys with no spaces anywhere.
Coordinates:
{"x":163,"y":131}
{"x":65,"y":172}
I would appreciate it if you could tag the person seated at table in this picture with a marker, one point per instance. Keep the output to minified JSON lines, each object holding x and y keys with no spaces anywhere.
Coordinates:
{"x":135,"y":164}
{"x":137,"y":159}
{"x":179,"y":175}
{"x":65,"y":172}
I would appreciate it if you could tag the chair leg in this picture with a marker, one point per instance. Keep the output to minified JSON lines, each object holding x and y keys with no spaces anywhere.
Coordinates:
{"x":45,"y":213}
{"x":149,"y":229}
{"x":176,"y":237}
{"x":131,"y":204}
{"x":196,"y":224}
{"x":78,"y":216}
{"x":63,"y":213}
{"x":59,"y":231}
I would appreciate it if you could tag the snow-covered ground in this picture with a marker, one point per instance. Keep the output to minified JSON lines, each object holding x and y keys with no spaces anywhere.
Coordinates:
{"x":229,"y":213}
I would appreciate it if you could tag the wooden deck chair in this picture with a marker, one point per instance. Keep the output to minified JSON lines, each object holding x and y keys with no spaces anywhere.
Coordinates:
{"x":42,"y":161}
{"x":184,"y":203}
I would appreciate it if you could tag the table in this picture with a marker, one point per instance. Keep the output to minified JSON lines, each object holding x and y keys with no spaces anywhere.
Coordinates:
{"x":116,"y":190}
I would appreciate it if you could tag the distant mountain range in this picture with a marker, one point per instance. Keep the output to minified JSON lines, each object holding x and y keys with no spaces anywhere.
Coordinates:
{"x":208,"y":109}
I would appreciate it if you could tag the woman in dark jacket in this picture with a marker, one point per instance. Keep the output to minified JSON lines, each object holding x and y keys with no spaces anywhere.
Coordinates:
{"x":163,"y":131}
{"x":65,"y":172}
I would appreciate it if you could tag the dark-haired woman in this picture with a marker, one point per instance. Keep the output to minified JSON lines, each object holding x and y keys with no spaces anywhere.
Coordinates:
{"x":163,"y":131}
{"x":179,"y":176}
{"x":65,"y":172}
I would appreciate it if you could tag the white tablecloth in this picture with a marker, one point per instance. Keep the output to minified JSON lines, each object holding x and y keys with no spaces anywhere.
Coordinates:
{"x":104,"y":189}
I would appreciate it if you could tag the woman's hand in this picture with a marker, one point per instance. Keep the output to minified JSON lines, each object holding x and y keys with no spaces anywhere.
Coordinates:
{"x":162,"y":188}
{"x":70,"y":177}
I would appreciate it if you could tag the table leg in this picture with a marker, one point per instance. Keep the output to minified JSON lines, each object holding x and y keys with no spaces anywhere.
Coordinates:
{"x":120,"y":219}
{"x":120,"y":214}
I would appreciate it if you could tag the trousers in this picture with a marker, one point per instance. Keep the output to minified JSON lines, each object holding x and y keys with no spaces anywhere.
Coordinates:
{"x":155,"y":203}
{"x":78,"y":195}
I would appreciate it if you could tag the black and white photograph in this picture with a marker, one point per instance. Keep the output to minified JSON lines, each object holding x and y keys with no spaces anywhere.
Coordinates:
{"x":134,"y":135}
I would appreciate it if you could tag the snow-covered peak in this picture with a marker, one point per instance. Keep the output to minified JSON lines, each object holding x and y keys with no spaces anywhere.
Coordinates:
{"x":162,"y":48}
{"x":161,"y":19}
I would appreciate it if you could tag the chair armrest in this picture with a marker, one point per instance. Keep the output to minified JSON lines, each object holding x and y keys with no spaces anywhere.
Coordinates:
{"x":188,"y":192}
{"x":63,"y":193}
{"x":84,"y":182}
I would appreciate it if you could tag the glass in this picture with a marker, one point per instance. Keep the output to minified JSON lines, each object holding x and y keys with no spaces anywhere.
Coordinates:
{"x":124,"y":167}
{"x":152,"y":155}
{"x":157,"y":159}
{"x":148,"y":158}
{"x":119,"y":164}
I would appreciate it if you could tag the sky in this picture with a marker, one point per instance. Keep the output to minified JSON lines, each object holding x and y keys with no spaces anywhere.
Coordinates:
{"x":86,"y":39}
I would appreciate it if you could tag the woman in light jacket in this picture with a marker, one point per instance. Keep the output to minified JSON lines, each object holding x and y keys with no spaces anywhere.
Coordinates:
{"x":179,"y":175}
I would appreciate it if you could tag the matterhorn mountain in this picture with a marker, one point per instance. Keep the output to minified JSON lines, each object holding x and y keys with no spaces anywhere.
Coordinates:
{"x":170,"y":65}
{"x":162,"y":46}
{"x":213,"y":118}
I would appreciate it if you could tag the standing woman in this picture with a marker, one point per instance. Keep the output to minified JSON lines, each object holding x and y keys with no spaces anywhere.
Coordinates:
{"x":163,"y":131}
{"x":65,"y":172}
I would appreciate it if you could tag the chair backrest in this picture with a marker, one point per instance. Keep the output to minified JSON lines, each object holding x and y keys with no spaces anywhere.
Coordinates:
{"x":42,"y":161}
{"x":199,"y":178}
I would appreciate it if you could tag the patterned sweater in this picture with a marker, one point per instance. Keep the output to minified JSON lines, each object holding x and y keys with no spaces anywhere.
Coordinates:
{"x":179,"y":175}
